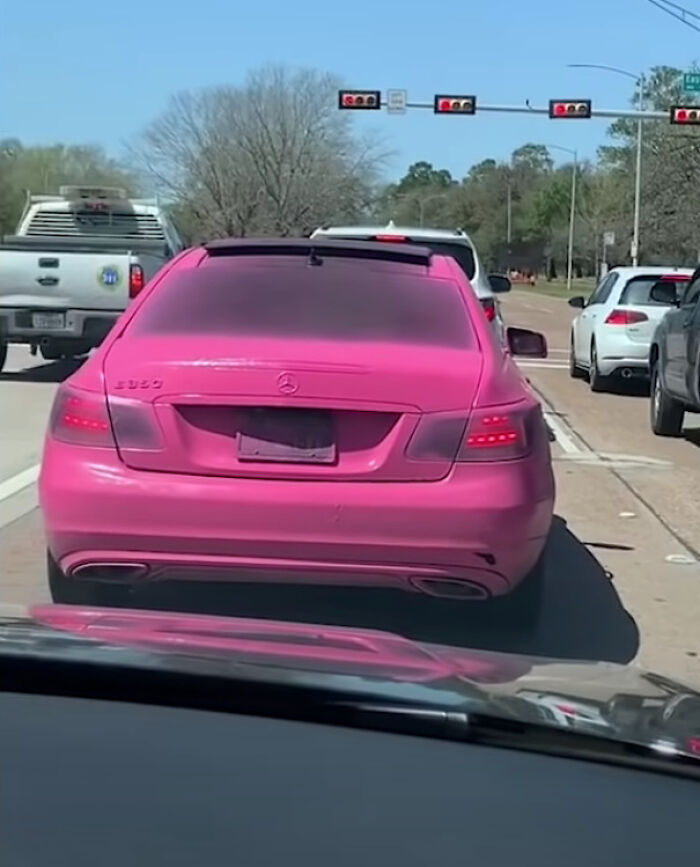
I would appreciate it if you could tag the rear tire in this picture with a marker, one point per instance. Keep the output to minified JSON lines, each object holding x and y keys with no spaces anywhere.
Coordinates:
{"x":596,"y":380}
{"x":665,"y":413}
{"x":71,"y":591}
{"x":575,"y":371}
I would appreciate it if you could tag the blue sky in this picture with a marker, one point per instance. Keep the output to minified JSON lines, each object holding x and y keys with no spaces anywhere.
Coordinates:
{"x":77,"y":71}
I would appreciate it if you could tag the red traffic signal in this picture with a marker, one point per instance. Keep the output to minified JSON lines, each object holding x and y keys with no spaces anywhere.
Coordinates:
{"x":574,"y":108}
{"x":446,"y":104}
{"x":685,"y":114}
{"x":359,"y":99}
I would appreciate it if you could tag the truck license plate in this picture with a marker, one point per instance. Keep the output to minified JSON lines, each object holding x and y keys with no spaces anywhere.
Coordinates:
{"x":50,"y":321}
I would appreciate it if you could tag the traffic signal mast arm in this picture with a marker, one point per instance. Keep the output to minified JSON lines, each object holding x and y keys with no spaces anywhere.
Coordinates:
{"x":531,"y":109}
{"x":557,"y":109}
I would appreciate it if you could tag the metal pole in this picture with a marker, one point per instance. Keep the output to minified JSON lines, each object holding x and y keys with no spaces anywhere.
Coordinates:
{"x":572,"y":220}
{"x":638,"y":179}
{"x":510,"y":214}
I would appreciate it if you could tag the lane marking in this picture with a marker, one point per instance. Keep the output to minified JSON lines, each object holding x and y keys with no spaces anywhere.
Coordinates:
{"x":617,"y":462}
{"x":19,"y":482}
{"x":544,"y":365}
{"x":566,"y":442}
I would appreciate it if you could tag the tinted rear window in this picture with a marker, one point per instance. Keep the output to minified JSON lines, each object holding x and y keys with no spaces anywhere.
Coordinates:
{"x":638,"y":291}
{"x":461,"y":253}
{"x":339,"y":300}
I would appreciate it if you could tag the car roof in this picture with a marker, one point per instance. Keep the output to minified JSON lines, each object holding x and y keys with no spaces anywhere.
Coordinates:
{"x":417,"y":232}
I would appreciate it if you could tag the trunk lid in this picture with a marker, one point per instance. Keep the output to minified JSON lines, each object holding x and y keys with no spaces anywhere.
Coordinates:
{"x":280,"y":408}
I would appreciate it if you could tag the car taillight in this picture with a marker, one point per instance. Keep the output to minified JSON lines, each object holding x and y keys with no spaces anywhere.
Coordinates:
{"x":625,"y":317}
{"x":395,"y":239}
{"x":498,"y":434}
{"x":136,"y":280}
{"x":81,"y":418}
{"x":489,"y":306}
{"x":493,"y":434}
{"x":85,"y":418}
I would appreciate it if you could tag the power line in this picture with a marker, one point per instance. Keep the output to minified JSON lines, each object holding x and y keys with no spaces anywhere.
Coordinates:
{"x":685,"y":16}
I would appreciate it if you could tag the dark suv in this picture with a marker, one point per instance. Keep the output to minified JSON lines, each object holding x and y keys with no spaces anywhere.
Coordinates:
{"x":674,"y":359}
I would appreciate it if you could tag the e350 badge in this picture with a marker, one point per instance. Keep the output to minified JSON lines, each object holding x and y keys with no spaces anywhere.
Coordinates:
{"x":109,"y":276}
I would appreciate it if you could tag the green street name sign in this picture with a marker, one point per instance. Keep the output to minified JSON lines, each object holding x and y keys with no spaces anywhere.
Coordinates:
{"x":691,"y":82}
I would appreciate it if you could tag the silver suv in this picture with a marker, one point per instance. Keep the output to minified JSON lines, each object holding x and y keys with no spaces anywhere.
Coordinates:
{"x":443,"y":242}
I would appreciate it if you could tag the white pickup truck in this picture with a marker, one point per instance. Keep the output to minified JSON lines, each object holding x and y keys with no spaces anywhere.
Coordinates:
{"x":74,"y":264}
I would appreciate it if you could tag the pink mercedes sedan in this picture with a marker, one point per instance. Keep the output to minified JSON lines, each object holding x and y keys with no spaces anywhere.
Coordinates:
{"x":304,"y":410}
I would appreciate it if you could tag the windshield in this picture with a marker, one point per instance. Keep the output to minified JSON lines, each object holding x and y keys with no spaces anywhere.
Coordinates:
{"x":499,"y":460}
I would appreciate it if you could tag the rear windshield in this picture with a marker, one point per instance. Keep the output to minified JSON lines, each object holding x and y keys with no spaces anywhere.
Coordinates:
{"x":338,"y":300}
{"x":461,"y":253}
{"x":637,"y":293}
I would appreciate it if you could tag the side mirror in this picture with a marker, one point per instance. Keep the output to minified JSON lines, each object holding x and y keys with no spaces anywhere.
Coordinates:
{"x":499,"y":283}
{"x":577,"y":301}
{"x":527,"y":343}
{"x":664,"y":293}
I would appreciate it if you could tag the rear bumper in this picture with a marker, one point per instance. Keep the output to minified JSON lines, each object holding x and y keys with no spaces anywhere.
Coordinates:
{"x":617,"y":353}
{"x":88,"y":325}
{"x":483,"y":525}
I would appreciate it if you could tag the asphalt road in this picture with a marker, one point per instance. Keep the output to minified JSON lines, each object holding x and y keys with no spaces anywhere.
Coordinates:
{"x":623,"y":579}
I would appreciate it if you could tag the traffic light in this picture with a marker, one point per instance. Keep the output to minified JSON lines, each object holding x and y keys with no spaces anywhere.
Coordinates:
{"x":685,"y":114}
{"x":446,"y":104}
{"x":574,"y":108}
{"x":359,"y":99}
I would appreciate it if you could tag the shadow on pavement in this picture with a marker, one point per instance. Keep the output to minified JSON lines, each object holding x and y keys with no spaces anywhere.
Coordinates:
{"x":52,"y":371}
{"x":583,"y":617}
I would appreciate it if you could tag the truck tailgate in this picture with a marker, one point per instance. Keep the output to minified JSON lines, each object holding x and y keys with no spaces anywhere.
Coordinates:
{"x":94,"y":281}
{"x":91,"y":274}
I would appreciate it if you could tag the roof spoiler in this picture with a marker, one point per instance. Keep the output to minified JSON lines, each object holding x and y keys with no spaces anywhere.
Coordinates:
{"x":320,"y":247}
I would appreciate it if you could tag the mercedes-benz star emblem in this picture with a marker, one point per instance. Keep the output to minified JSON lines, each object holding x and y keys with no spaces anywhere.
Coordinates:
{"x":287,"y":384}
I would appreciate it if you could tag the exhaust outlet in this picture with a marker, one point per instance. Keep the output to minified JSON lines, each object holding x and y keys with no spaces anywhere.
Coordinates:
{"x":447,"y":588}
{"x":110,"y":573}
{"x":626,"y":373}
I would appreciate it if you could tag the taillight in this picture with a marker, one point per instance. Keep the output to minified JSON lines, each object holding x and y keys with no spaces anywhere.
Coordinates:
{"x":625,"y":317}
{"x":498,"y":434}
{"x":85,"y":418}
{"x":494,"y":434}
{"x":395,"y":239}
{"x":489,"y":306}
{"x":136,"y":280}
{"x":81,"y":418}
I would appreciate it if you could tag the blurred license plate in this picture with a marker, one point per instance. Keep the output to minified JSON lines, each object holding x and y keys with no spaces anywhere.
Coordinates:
{"x":48,"y":320}
{"x":287,"y":436}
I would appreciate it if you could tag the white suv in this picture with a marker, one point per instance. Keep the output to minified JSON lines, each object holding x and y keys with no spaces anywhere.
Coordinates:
{"x":444,"y":242}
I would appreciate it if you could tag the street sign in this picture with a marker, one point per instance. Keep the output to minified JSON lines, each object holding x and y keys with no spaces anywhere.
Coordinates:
{"x":691,"y":82}
{"x":396,"y":101}
{"x":609,"y":239}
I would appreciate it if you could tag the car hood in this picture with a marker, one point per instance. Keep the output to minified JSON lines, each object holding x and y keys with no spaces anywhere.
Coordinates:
{"x":604,"y":699}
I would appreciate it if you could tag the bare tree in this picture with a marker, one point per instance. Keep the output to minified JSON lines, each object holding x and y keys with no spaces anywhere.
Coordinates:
{"x":273,"y":156}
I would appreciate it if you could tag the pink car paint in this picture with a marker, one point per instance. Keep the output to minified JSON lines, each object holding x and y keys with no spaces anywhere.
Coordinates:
{"x":441,"y":468}
{"x":296,"y":645}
